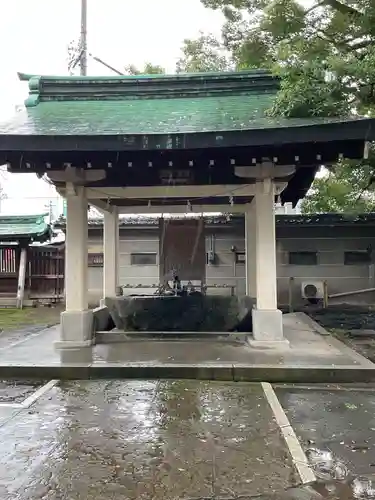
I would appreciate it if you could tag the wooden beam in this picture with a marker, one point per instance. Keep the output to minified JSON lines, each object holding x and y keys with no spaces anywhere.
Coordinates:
{"x":182,"y":209}
{"x":102,"y":206}
{"x":188,"y":192}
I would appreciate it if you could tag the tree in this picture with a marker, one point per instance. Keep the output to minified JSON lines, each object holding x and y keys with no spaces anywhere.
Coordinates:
{"x":149,"y":69}
{"x":345,"y":187}
{"x":324,"y":54}
{"x":204,"y":54}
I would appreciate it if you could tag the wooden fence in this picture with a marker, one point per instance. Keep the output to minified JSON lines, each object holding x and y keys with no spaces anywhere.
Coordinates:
{"x":44,"y":273}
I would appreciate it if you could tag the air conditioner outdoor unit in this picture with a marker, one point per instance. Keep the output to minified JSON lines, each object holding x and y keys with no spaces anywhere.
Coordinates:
{"x":312,"y":289}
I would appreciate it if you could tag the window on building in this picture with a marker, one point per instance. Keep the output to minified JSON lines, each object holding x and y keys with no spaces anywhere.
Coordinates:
{"x":95,"y":260}
{"x":303,"y":258}
{"x":143,"y":259}
{"x":356,"y":258}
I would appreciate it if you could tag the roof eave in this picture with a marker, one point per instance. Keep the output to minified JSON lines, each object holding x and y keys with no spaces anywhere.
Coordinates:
{"x":282,"y":220}
{"x":340,"y":130}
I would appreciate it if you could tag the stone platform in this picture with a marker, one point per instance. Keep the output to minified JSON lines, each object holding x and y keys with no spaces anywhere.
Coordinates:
{"x":312,"y":356}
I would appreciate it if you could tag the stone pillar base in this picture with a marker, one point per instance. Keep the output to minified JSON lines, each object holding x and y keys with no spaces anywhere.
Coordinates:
{"x":77,"y":329}
{"x":67,"y":344}
{"x":268,"y":344}
{"x":268,"y":329}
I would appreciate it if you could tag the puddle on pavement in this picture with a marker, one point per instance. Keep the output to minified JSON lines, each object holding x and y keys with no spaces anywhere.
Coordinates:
{"x":16,"y":391}
{"x":337,"y":431}
{"x":335,"y":480}
{"x":355,"y":489}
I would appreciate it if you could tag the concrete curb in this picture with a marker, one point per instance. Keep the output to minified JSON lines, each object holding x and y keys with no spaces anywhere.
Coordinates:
{"x":231,"y":373}
{"x":313,"y":324}
{"x":354,"y":355}
{"x":340,"y":346}
{"x":295,"y":449}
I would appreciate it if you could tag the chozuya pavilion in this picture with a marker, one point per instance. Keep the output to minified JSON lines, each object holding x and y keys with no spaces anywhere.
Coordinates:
{"x":161,"y":143}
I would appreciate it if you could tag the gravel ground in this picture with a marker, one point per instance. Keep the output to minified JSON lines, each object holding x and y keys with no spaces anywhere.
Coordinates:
{"x":344,"y":317}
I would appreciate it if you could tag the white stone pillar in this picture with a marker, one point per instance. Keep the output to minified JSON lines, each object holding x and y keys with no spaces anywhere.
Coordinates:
{"x":111,"y":254}
{"x":250,"y":251}
{"x":76,"y":293}
{"x":267,"y":319}
{"x":77,"y":320}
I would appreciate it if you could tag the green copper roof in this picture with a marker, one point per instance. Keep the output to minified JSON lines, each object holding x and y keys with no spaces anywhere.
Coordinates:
{"x":153,"y":104}
{"x":150,"y":105}
{"x":33,"y":227}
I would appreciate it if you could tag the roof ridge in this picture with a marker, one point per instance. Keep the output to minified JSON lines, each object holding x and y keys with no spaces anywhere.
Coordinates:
{"x":15,"y":217}
{"x":177,"y":76}
{"x":183,"y":85}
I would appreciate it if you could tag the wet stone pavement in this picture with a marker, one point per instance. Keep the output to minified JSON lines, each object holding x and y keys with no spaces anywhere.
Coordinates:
{"x":20,"y":335}
{"x":336,"y":428}
{"x":18,"y":390}
{"x":144,"y":439}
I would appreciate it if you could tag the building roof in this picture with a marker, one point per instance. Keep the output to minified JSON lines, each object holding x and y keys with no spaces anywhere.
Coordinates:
{"x":24,"y":227}
{"x":301,"y":220}
{"x":203,"y":125}
{"x":151,"y":104}
{"x":148,"y":104}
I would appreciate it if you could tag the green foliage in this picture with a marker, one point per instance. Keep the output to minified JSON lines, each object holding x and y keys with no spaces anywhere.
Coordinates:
{"x":325,"y":52}
{"x":325,"y":56}
{"x":202,"y":55}
{"x":346,"y":187}
{"x":149,"y":69}
{"x":283,"y":19}
{"x":309,"y":93}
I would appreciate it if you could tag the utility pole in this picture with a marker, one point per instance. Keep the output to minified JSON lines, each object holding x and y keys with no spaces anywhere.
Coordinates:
{"x":83,"y":58}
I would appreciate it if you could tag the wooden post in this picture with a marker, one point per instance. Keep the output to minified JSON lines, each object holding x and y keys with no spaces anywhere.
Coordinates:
{"x":29,"y":281}
{"x":325,"y":294}
{"x":291,"y":289}
{"x":21,"y":278}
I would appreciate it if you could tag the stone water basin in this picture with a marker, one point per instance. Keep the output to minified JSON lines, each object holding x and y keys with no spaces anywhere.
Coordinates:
{"x":191,"y":313}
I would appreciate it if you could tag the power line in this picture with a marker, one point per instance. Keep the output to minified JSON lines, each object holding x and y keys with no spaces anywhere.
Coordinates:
{"x":103,"y":63}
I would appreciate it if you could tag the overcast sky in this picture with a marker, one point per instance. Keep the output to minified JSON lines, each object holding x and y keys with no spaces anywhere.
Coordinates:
{"x":35,"y":36}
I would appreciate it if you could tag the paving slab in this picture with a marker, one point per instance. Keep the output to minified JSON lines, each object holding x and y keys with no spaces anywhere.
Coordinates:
{"x":145,"y":439}
{"x":9,"y":337}
{"x":340,"y":420}
{"x":311,"y":357}
{"x":7,"y":413}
